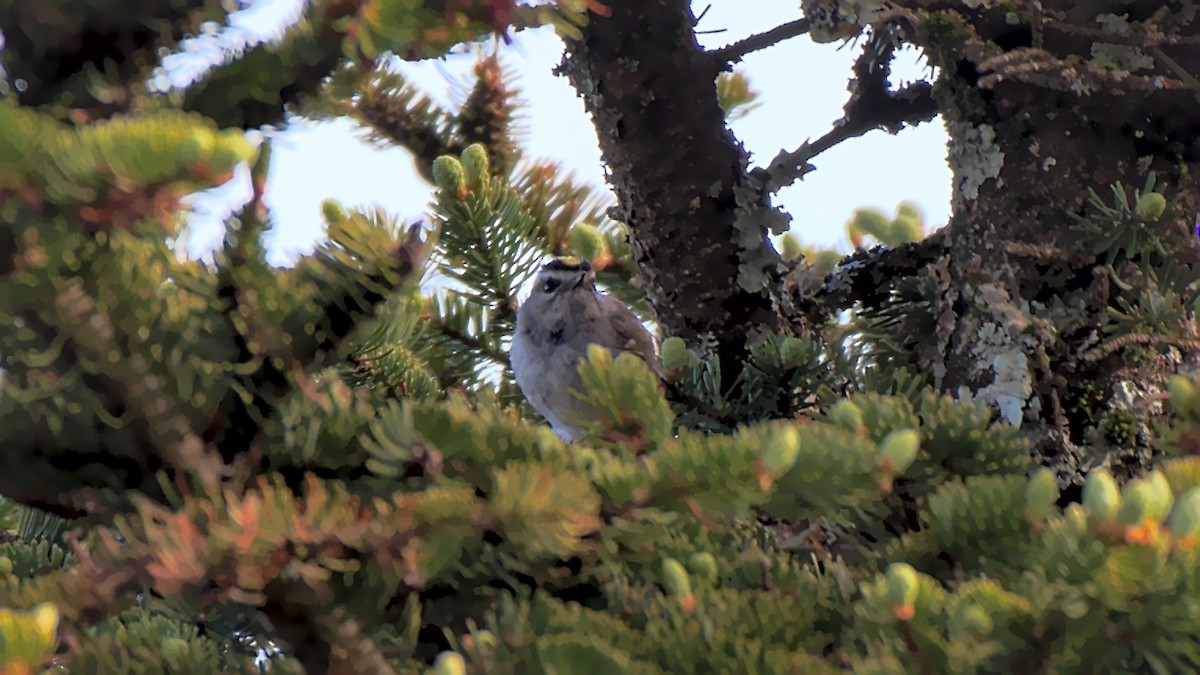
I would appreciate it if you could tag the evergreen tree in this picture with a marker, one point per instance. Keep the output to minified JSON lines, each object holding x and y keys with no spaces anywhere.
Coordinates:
{"x":989,"y":466}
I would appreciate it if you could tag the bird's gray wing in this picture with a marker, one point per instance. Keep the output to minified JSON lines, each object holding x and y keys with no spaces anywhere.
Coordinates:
{"x":630,"y":335}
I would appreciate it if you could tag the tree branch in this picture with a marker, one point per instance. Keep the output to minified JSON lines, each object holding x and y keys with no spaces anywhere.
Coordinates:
{"x":237,"y":420}
{"x":254,"y":90}
{"x":867,"y":276}
{"x":871,"y":106}
{"x":731,"y":54}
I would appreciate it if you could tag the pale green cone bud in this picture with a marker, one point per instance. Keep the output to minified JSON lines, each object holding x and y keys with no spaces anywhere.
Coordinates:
{"x":1151,"y":206}
{"x":905,"y":229}
{"x":588,"y":242}
{"x":475,"y":164}
{"x":1101,"y":496}
{"x":848,"y":416}
{"x":794,"y":351}
{"x":448,"y":174}
{"x":704,"y":565}
{"x":1041,"y":494}
{"x":332,"y":212}
{"x":781,"y":452}
{"x":1185,"y":518}
{"x":899,"y":448}
{"x":1145,"y":500}
{"x":790,"y":247}
{"x":675,"y":358}
{"x":1184,"y":398}
{"x":449,"y":663}
{"x":868,"y":221}
{"x":902,"y":585}
{"x":675,"y":578}
{"x":907,"y":209}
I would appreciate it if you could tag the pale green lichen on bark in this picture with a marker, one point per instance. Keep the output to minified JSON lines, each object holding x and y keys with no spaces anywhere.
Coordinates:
{"x":1121,"y":57}
{"x":1116,"y":56}
{"x":1003,"y":355}
{"x":975,"y":156}
{"x":999,"y":356}
{"x":758,"y":262}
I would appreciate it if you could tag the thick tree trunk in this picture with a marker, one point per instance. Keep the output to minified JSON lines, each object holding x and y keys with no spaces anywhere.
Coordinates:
{"x":698,"y":224}
{"x":1024,"y":308}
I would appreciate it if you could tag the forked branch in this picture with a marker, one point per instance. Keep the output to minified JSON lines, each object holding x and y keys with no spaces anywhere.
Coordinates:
{"x":872,"y":105}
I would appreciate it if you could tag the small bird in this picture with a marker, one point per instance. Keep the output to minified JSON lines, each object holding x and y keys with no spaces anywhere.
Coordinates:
{"x":562,"y":316}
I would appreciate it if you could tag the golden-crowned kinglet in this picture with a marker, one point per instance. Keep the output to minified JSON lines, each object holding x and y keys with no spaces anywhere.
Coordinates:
{"x":562,"y":316}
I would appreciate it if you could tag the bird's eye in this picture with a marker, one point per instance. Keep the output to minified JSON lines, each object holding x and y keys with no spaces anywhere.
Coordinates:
{"x":550,"y":285}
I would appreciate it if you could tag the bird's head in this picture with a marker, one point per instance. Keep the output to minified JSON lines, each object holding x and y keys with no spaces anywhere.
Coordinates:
{"x":562,"y":277}
{"x":562,"y":283}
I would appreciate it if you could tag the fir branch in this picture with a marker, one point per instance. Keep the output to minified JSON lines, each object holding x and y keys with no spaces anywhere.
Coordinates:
{"x":133,"y":465}
{"x":164,"y":430}
{"x":341,"y":314}
{"x":397,"y":114}
{"x":243,"y":247}
{"x":487,"y":116}
{"x":355,"y":649}
{"x":678,"y":395}
{"x":236,"y":422}
{"x":489,"y":242}
{"x":731,"y":54}
{"x":255,"y":89}
{"x":160,"y":432}
{"x":871,"y":106}
{"x":558,"y":201}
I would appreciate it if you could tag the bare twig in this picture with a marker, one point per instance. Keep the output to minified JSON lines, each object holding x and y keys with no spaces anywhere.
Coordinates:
{"x":1041,"y":68}
{"x":1175,"y":67}
{"x":1147,"y":339}
{"x":871,"y":106}
{"x":730,"y":54}
{"x":868,"y":275}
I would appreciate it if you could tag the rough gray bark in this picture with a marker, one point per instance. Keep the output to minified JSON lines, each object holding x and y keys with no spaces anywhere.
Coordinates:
{"x":1039,"y":111}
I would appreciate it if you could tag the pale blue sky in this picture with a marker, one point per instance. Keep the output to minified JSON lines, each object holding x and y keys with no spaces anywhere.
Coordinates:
{"x":802,"y":87}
